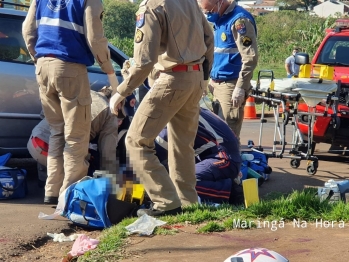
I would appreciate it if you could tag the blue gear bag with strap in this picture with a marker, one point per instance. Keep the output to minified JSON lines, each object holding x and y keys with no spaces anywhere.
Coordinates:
{"x":13,"y":183}
{"x":86,"y":203}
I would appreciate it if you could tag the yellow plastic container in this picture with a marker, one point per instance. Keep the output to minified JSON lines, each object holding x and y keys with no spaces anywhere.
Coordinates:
{"x":131,"y":193}
{"x":250,"y":189}
{"x":323,"y":71}
{"x":125,"y":193}
{"x":272,"y":85}
{"x":327,"y":72}
{"x":304,"y":71}
{"x":121,"y":194}
{"x":138,"y":193}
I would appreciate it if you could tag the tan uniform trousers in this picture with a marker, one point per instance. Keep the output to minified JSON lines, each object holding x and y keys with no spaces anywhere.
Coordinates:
{"x":66,"y":101}
{"x":173,"y":101}
{"x":233,"y":116}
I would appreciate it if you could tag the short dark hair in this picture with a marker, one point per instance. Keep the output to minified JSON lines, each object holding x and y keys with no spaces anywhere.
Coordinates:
{"x":296,"y":48}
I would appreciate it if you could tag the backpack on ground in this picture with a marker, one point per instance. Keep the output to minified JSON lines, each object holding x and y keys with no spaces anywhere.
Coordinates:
{"x":13,"y":183}
{"x":259,"y":164}
{"x":88,"y":203}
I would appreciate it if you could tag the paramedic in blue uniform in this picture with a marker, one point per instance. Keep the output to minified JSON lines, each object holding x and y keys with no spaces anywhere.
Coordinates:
{"x":235,"y":58}
{"x":63,"y":38}
{"x":217,"y":158}
{"x":175,"y":38}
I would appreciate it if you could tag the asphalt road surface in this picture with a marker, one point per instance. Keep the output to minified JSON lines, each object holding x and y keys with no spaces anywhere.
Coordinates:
{"x":21,"y":230}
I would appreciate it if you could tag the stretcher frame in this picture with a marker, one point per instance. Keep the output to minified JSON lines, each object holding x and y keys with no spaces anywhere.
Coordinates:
{"x":285,"y":111}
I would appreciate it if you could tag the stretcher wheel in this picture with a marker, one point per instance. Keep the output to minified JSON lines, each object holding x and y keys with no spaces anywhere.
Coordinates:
{"x":312,"y":168}
{"x":295,"y":163}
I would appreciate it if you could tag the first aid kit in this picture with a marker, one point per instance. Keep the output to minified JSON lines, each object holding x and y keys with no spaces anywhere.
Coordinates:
{"x":13,"y":183}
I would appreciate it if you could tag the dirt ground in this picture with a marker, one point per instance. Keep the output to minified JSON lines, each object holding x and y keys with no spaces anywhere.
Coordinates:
{"x":303,"y":244}
{"x":306,"y":243}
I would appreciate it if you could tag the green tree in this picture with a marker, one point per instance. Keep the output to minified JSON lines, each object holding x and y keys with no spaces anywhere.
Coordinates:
{"x":279,"y":31}
{"x":119,"y":19}
{"x":124,"y":44}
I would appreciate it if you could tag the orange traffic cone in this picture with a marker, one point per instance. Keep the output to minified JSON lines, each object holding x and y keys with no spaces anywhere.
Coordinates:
{"x":287,"y":107}
{"x":250,"y":109}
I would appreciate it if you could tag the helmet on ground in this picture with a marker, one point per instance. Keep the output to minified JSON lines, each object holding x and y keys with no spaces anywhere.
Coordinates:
{"x":256,"y":255}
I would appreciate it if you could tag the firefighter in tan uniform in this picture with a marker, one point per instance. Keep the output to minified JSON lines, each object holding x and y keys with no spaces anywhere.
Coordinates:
{"x":64,"y":37}
{"x":235,"y":58}
{"x":175,"y":38}
{"x":103,"y":135}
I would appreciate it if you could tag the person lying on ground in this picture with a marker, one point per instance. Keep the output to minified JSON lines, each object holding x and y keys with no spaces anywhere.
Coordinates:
{"x":217,"y":158}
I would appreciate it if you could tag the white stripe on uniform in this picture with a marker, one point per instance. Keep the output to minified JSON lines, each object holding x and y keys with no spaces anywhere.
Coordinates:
{"x":161,"y":142}
{"x":209,"y":128}
{"x":60,"y":23}
{"x":226,"y":50}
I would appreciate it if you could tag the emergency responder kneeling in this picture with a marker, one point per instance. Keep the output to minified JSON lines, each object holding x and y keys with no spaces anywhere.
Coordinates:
{"x":103,"y":136}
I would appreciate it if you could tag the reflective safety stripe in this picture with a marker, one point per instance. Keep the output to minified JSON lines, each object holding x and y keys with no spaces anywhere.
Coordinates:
{"x":164,"y":144}
{"x":121,"y":133}
{"x":250,"y":104}
{"x":226,"y":50}
{"x":209,"y":128}
{"x":201,"y":149}
{"x":161,"y":142}
{"x":40,"y":145}
{"x":60,"y":23}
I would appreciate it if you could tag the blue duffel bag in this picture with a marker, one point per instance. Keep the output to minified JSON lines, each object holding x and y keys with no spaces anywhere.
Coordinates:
{"x":13,"y":183}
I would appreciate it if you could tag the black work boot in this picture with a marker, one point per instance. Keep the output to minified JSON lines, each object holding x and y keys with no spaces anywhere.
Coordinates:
{"x":50,"y":200}
{"x":154,"y":213}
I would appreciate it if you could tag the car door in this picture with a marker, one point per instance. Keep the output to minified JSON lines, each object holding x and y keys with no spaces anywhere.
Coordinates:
{"x":20,"y":105}
{"x":19,"y":93}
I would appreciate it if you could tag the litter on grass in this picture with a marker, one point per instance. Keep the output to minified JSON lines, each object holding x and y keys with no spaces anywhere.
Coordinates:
{"x":144,"y":225}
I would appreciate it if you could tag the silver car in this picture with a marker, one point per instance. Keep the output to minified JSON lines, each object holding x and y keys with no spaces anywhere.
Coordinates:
{"x":20,"y":105}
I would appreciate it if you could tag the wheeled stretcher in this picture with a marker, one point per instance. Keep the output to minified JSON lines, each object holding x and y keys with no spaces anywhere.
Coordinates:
{"x":283,"y":96}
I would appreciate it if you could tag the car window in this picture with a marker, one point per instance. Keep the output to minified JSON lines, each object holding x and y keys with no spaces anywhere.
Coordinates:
{"x":97,"y":69}
{"x":12,"y":46}
{"x":335,"y":50}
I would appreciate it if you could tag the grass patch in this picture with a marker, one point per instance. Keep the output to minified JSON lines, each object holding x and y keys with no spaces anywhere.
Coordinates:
{"x":165,"y":230}
{"x":278,"y":69}
{"x":212,"y":226}
{"x":303,"y":205}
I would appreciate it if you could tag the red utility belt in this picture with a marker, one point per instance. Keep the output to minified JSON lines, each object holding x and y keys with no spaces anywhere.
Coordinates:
{"x":185,"y":68}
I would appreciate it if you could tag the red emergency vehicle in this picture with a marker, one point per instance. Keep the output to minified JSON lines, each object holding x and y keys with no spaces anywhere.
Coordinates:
{"x":333,"y":51}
